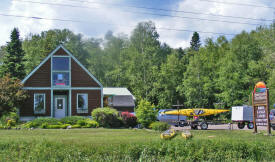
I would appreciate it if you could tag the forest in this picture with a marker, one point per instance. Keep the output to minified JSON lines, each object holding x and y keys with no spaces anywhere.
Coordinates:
{"x":215,"y":73}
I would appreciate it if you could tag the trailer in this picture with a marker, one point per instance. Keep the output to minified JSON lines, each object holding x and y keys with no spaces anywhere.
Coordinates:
{"x":242,"y":115}
{"x":175,"y":120}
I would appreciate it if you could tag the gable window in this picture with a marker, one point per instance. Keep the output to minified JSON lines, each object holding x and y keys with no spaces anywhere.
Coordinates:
{"x":61,"y":78}
{"x":60,"y":71}
{"x":82,"y":103}
{"x":61,"y":63}
{"x":39,"y":103}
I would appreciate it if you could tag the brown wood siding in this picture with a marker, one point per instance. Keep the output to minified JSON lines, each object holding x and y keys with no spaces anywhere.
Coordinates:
{"x":42,"y":77}
{"x":60,"y":52}
{"x":80,"y":78}
{"x":94,"y":101}
{"x":27,"y":107}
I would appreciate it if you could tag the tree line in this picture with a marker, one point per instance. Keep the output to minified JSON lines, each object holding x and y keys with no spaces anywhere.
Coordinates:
{"x":219,"y":73}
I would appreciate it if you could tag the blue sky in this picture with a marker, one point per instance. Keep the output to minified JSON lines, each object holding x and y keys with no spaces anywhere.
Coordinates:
{"x":99,"y":16}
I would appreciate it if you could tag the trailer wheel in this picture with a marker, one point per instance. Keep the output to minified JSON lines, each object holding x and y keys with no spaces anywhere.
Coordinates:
{"x":241,"y":125}
{"x":250,"y":125}
{"x":194,"y":127}
{"x":204,"y":125}
{"x":181,"y":124}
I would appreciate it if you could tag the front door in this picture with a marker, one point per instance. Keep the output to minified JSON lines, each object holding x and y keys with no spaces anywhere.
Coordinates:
{"x":60,"y":106}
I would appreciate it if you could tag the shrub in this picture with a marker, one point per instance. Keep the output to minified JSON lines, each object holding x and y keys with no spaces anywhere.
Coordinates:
{"x":106,"y":117}
{"x":39,"y":121}
{"x":28,"y":125}
{"x":71,"y":119}
{"x":11,"y":94}
{"x":44,"y":125}
{"x":9,"y":119}
{"x":128,"y":119}
{"x":159,"y":126}
{"x":64,"y":126}
{"x":76,"y":126}
{"x":145,"y":113}
{"x":81,"y":122}
{"x":91,"y":123}
{"x":11,"y":123}
{"x":54,"y":126}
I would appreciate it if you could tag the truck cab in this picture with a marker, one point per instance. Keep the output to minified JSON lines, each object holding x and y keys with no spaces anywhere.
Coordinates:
{"x":171,"y":119}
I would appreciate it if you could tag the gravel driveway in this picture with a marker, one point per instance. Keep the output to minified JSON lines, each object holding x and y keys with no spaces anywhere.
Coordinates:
{"x":220,"y":127}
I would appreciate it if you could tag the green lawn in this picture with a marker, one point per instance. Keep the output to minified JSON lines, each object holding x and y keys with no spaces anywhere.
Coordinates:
{"x":133,"y":145}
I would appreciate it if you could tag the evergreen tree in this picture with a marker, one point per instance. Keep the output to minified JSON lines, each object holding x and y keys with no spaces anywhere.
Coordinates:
{"x":13,"y":59}
{"x":195,"y":42}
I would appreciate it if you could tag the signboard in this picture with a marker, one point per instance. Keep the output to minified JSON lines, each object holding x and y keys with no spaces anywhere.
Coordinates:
{"x":261,"y":117}
{"x":260,"y":104}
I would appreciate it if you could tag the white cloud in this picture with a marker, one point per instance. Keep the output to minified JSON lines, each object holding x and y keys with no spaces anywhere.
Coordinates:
{"x":100,"y":18}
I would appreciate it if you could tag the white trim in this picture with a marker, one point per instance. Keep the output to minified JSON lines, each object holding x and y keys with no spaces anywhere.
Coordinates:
{"x":102,"y":97}
{"x":52,"y":106}
{"x":87,"y":97}
{"x":62,"y":88}
{"x":61,"y":56}
{"x":37,"y":67}
{"x":70,"y":103}
{"x":44,"y":109}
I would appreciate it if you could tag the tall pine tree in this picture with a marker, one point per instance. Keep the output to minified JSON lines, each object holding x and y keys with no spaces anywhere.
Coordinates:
{"x":195,"y":42}
{"x":13,"y":59}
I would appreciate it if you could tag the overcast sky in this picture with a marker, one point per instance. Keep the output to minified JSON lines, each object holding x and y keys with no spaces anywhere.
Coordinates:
{"x":93,"y":18}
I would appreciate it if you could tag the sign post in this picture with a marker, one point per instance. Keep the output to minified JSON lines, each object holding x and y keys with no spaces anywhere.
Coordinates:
{"x":178,"y":106}
{"x":260,"y":103}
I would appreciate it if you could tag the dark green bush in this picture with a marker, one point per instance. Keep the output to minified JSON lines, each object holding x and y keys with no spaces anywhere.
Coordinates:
{"x":81,"y":122}
{"x":128,"y":119}
{"x":146,"y":113}
{"x":91,"y":123}
{"x":71,"y":119}
{"x":45,"y":125}
{"x":54,"y":126}
{"x":76,"y":126}
{"x":39,"y":121}
{"x":107,"y":117}
{"x":159,"y":126}
{"x":9,"y":119}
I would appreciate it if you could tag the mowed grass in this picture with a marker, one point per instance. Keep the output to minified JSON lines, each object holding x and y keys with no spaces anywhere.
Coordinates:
{"x":133,"y":145}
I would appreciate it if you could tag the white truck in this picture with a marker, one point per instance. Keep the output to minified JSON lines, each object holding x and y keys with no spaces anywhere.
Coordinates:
{"x":243,"y":115}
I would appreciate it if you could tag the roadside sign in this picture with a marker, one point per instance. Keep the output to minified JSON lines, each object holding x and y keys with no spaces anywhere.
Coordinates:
{"x":260,"y":103}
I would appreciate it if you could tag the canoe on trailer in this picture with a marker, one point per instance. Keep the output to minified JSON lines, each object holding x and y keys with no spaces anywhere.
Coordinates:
{"x":168,"y":134}
{"x":195,"y":112}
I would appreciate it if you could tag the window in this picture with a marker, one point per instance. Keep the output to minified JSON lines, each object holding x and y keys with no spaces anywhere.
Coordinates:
{"x":61,"y":79}
{"x":82,"y":103}
{"x":61,"y":63}
{"x":39,"y":103}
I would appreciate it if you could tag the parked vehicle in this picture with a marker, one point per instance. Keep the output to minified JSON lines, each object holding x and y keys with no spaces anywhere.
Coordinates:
{"x":272,"y":118}
{"x":243,"y":115}
{"x":176,"y":120}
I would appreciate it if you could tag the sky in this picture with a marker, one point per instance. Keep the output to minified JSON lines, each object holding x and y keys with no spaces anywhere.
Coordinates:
{"x":175,"y":20}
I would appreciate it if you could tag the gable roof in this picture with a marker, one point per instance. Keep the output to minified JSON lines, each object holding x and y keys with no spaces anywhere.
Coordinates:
{"x":119,"y":91}
{"x":50,"y":55}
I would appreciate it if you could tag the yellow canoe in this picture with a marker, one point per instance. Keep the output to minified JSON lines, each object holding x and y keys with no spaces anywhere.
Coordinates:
{"x":195,"y":112}
{"x":168,"y":134}
{"x":186,"y":134}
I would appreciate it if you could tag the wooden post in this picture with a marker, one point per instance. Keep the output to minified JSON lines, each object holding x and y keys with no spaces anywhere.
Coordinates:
{"x":254,"y":114}
{"x":267,"y":112}
{"x":178,"y":113}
